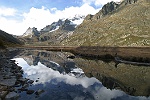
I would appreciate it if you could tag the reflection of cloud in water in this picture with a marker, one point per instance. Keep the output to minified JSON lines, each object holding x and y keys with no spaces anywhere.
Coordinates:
{"x":46,"y":75}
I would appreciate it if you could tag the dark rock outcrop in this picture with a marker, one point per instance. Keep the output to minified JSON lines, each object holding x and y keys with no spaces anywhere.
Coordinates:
{"x":130,"y":1}
{"x":109,"y":7}
{"x":51,"y":27}
{"x":68,"y":26}
{"x":106,"y":9}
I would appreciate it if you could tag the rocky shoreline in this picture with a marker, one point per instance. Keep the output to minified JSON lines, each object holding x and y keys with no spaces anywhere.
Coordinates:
{"x":11,"y":80}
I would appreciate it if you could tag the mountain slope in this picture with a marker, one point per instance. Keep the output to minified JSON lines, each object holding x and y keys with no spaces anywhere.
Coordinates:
{"x":128,"y":24}
{"x":31,"y":32}
{"x":7,"y":39}
{"x":54,"y":33}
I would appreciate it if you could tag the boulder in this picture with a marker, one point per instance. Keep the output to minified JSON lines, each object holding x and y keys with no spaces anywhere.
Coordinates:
{"x":8,"y":82}
{"x":3,"y":94}
{"x":12,"y":96}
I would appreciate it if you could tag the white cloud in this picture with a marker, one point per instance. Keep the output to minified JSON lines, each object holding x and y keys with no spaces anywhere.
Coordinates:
{"x":11,"y":26}
{"x":39,"y":18}
{"x":99,"y":2}
{"x":7,"y":11}
{"x":72,"y":11}
{"x":7,"y":23}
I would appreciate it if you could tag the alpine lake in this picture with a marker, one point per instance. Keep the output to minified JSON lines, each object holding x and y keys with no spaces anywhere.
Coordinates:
{"x":58,"y":75}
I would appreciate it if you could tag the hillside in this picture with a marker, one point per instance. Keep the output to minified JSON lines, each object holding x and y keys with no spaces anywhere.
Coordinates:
{"x":123,"y":24}
{"x":7,"y":40}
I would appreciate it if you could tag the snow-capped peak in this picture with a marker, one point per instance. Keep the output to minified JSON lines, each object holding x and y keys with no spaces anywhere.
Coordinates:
{"x":77,"y":19}
{"x":30,"y":32}
{"x":68,"y":24}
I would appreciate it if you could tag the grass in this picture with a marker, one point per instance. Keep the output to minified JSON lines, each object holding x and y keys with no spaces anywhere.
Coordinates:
{"x":128,"y":26}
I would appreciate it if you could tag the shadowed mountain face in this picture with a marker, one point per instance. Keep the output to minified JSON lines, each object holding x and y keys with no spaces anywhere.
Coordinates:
{"x":116,"y":24}
{"x":7,"y":39}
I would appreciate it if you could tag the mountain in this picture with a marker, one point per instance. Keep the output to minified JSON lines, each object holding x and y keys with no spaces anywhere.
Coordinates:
{"x":54,"y":33}
{"x":54,"y":26}
{"x":31,"y":32}
{"x":30,"y":36}
{"x":125,"y":23}
{"x":68,"y":24}
{"x":8,"y":40}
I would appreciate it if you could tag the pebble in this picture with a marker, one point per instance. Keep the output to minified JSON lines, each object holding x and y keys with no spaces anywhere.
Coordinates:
{"x":30,"y":81}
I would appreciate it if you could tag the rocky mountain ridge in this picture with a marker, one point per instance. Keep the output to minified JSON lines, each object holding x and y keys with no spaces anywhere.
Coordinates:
{"x":30,"y":32}
{"x":125,"y":23}
{"x":116,"y":24}
{"x":53,"y":33}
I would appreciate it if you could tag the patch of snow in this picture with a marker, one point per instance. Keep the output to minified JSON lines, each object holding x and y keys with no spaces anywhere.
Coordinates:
{"x":77,"y":70}
{"x":77,"y":22}
{"x":57,"y":27}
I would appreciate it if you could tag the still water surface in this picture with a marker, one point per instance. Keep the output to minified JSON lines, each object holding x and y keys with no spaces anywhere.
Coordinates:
{"x":62,"y":78}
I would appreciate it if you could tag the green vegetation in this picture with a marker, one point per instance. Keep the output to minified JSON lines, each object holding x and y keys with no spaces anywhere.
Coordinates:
{"x":128,"y":25}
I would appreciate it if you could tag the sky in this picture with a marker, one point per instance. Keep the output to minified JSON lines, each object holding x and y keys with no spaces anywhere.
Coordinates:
{"x":16,"y":16}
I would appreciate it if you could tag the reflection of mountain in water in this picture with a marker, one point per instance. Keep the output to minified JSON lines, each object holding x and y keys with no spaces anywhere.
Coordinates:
{"x":133,"y":80}
{"x":111,"y":83}
{"x":55,"y":60}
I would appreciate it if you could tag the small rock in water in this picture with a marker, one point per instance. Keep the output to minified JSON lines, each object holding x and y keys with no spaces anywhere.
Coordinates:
{"x":36,"y":80}
{"x":30,"y":91}
{"x":30,"y":81}
{"x":23,"y":89}
{"x":71,"y":57}
{"x":25,"y":86}
{"x":39,"y":91}
{"x":12,"y":96}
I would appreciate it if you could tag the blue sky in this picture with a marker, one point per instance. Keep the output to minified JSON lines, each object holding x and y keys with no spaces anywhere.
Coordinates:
{"x":17,"y":15}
